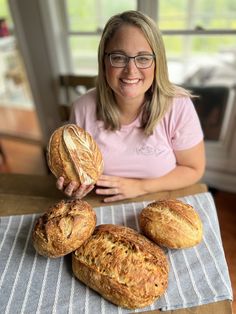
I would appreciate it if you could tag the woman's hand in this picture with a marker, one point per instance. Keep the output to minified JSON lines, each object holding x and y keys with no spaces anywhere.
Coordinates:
{"x":189,"y":169}
{"x":73,"y":189}
{"x":118,"y":188}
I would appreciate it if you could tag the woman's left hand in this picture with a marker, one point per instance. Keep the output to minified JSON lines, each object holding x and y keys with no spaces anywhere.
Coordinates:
{"x":118,"y":188}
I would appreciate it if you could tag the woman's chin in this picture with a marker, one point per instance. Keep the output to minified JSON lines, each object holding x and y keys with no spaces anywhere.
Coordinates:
{"x":131,"y":91}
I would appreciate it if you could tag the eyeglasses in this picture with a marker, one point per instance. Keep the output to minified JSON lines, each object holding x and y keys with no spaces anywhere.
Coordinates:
{"x":119,"y":60}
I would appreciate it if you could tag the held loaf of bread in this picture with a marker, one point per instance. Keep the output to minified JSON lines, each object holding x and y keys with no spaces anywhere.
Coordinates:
{"x":171,"y":223}
{"x":73,"y":154}
{"x":63,"y":228}
{"x":122,"y":265}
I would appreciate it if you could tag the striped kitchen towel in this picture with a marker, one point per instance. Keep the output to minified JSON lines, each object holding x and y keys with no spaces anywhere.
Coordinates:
{"x":30,"y":283}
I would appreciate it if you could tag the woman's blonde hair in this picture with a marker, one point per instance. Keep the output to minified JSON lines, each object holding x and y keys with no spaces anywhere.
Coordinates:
{"x":162,"y":91}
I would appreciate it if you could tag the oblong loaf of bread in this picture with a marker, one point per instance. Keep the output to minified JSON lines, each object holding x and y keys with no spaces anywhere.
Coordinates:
{"x":73,"y":154}
{"x":123,"y":266}
{"x":171,"y":223}
{"x":63,"y":228}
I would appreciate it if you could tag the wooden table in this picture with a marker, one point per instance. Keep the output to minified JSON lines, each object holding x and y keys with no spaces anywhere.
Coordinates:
{"x":27,"y":194}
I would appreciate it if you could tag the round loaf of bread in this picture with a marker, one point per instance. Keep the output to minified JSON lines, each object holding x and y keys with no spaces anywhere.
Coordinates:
{"x":122,"y":265}
{"x":63,"y":228}
{"x":73,"y":154}
{"x":171,"y":223}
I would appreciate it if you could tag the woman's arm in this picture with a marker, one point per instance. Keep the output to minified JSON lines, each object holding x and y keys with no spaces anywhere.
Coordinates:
{"x":189,"y":169}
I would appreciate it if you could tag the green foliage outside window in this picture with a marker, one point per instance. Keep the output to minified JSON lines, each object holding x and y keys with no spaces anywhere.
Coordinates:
{"x":208,"y":15}
{"x":4,"y":12}
{"x":188,"y":14}
{"x":91,"y":15}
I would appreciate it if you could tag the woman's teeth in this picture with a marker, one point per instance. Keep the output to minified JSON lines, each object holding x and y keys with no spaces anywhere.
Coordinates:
{"x":130,"y":81}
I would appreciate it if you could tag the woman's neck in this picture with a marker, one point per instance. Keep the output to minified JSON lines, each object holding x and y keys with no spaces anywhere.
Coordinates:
{"x":129,"y":110}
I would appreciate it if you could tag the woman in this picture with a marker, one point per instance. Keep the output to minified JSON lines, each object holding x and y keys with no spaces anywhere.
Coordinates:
{"x":146,"y":127}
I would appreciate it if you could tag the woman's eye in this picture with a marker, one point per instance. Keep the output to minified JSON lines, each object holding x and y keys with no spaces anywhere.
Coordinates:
{"x":118,"y":58}
{"x":143,"y":59}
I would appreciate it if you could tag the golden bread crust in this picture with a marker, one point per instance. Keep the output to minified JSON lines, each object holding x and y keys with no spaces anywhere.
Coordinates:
{"x":122,"y":265}
{"x":63,"y":228}
{"x":73,"y":154}
{"x":171,"y":223}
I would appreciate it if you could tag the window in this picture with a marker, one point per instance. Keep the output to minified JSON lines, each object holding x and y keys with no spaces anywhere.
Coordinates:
{"x":85,"y":23}
{"x":194,"y":15}
{"x":200,"y":40}
{"x":199,"y":35}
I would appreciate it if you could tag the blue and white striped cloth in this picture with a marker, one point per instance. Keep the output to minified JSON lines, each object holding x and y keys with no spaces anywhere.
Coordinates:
{"x":30,"y":283}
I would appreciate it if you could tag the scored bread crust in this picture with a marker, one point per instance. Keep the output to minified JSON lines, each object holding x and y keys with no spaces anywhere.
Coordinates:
{"x":122,"y":265}
{"x":63,"y":228}
{"x":171,"y":223}
{"x":73,"y":154}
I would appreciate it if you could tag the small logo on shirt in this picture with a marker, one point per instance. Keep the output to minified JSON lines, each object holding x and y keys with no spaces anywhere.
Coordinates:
{"x":148,"y":150}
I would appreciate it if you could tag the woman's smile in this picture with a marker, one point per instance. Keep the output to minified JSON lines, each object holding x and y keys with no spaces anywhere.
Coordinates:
{"x":130,"y":81}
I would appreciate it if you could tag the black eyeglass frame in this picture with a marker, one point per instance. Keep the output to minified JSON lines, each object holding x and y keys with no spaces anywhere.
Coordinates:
{"x":128,"y":59}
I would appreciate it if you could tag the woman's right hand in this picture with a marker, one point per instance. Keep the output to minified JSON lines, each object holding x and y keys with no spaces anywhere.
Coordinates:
{"x":73,"y":189}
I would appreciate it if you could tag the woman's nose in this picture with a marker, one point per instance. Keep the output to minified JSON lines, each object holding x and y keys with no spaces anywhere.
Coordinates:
{"x":131,"y":66}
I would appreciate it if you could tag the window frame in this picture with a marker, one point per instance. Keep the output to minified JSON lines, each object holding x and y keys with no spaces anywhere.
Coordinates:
{"x":149,"y":7}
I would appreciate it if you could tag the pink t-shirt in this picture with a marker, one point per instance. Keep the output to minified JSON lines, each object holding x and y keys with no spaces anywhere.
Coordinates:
{"x":128,"y":152}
